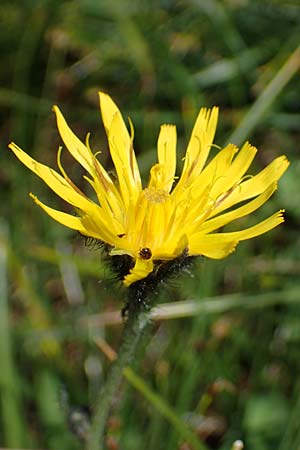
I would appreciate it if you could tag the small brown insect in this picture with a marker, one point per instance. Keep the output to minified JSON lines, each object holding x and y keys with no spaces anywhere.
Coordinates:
{"x":145,"y":253}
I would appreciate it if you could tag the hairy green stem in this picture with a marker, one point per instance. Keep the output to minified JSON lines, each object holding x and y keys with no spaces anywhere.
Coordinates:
{"x":136,"y":323}
{"x":141,"y":295}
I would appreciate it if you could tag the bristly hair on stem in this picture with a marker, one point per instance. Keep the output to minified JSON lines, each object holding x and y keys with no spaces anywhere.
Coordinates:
{"x":92,"y":243}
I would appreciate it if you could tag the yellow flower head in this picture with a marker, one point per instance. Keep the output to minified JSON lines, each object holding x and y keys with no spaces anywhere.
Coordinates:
{"x":161,"y":221}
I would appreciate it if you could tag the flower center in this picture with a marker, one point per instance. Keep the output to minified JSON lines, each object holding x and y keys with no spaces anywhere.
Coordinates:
{"x":156,"y":195}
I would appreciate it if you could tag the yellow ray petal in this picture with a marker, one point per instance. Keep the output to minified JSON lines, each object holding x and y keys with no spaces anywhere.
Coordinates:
{"x":234,"y":172}
{"x":199,"y":145}
{"x":109,"y":111}
{"x":214,"y":246}
{"x":104,"y":187}
{"x":141,"y":269}
{"x":255,"y":185}
{"x":111,"y":209}
{"x":166,"y":149}
{"x":260,"y":228}
{"x":224,"y":219}
{"x":96,"y":225}
{"x":65,"y":219}
{"x":54,"y":180}
{"x":101,"y":182}
{"x":202,"y":136}
{"x":172,"y":248}
{"x":78,"y":150}
{"x":85,"y":224}
{"x":215,"y":173}
{"x":120,"y":153}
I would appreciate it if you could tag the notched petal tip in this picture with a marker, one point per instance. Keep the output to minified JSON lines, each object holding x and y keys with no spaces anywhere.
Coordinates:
{"x":282,"y":163}
{"x":35,"y":199}
{"x":58,"y":114}
{"x":281,"y":215}
{"x":60,"y":120}
{"x":285,"y":161}
{"x":14,"y":147}
{"x":168,"y":126}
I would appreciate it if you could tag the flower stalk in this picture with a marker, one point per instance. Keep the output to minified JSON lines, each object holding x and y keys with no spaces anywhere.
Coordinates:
{"x":137,"y":319}
{"x":140,"y":298}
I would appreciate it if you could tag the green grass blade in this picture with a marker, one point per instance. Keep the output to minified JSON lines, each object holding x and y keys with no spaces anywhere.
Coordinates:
{"x":10,"y":398}
{"x":265,"y":100}
{"x":164,"y":409}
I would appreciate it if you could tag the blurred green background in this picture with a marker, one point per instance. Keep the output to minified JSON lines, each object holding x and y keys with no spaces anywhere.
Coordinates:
{"x":229,"y":369}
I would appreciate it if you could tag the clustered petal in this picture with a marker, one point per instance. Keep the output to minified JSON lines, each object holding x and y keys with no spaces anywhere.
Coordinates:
{"x":161,"y":221}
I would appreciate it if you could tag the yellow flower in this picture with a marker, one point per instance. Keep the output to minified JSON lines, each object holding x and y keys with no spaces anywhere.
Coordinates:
{"x":161,"y":221}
